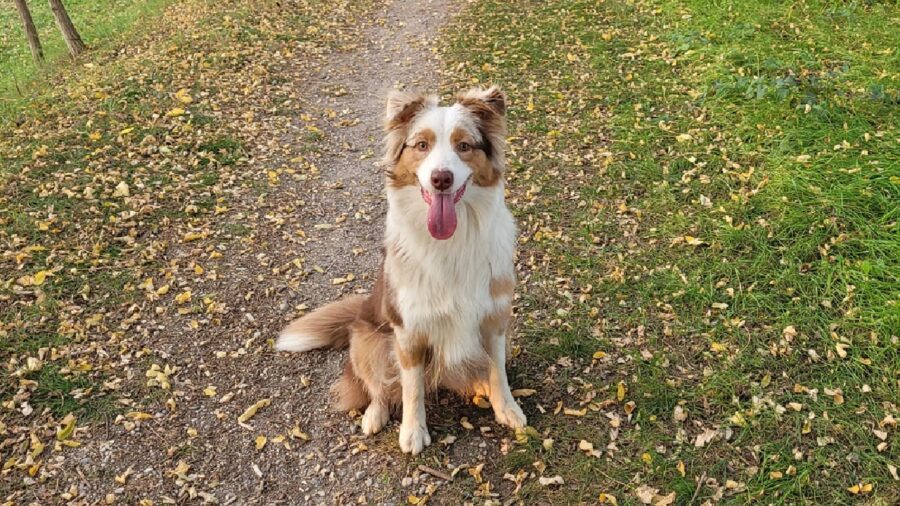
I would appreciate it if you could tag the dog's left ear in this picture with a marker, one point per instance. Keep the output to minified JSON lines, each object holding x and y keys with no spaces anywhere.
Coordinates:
{"x":484,"y":101}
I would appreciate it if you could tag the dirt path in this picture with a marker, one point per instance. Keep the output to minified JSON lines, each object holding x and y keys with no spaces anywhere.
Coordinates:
{"x":322,"y":222}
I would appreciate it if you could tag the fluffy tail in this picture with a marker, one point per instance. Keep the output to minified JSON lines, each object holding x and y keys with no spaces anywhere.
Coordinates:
{"x":326,"y":326}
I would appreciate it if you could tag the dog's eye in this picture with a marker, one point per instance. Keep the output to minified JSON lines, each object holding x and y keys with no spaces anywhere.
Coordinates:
{"x":463,"y":146}
{"x":422,"y":146}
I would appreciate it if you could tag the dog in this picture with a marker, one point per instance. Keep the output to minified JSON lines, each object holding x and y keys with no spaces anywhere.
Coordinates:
{"x":439,"y":311}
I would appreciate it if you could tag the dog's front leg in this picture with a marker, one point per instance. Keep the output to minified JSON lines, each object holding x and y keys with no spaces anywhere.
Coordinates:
{"x":506,"y":409}
{"x":413,"y":428}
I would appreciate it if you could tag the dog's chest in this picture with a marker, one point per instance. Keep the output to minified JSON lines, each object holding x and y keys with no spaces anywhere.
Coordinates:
{"x":442,"y":289}
{"x":445,"y":293}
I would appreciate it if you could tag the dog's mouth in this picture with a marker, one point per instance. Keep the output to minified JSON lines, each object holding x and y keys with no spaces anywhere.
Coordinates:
{"x":442,"y":211}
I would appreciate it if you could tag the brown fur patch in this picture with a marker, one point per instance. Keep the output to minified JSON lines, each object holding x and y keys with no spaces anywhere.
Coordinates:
{"x":328,"y":324}
{"x":489,"y":108}
{"x":502,"y":287}
{"x":403,"y":172}
{"x":349,"y":391}
{"x":414,"y":353}
{"x":401,"y":109}
{"x":379,"y":309}
{"x":372,"y":360}
{"x":495,"y":324}
{"x":483,"y":171}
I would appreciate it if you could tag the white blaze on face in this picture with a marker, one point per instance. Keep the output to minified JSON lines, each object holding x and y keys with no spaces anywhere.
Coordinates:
{"x":443,"y":156}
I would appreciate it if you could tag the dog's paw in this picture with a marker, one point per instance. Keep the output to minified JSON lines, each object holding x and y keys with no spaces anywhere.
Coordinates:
{"x":374,"y":419}
{"x":510,"y":414}
{"x":414,"y":438}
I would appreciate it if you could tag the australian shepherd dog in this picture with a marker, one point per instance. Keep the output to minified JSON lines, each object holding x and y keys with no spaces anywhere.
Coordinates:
{"x":438,"y":314}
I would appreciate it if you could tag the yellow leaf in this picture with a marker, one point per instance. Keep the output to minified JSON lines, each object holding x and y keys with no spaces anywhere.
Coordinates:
{"x":193,"y":236}
{"x":251,"y":411}
{"x":481,"y":402}
{"x":183,"y":96}
{"x":261,"y":442}
{"x":524,"y":392}
{"x":183,"y":297}
{"x":683,"y":137}
{"x":680,"y":467}
{"x":66,"y":429}
{"x":41,"y":276}
{"x":693,"y":241}
{"x":37,"y":447}
{"x":717,"y":347}
{"x":177,"y":111}
{"x":621,"y":390}
{"x":94,"y":136}
{"x":840,"y":347}
{"x":598,"y":355}
{"x":138,"y":415}
{"x":209,"y":391}
{"x":296,"y":433}
{"x":575,"y":412}
{"x":646,"y":458}
{"x":608,"y":499}
{"x":122,"y":478}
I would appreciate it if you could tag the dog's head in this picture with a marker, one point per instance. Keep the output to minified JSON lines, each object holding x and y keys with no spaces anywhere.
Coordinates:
{"x":443,"y":150}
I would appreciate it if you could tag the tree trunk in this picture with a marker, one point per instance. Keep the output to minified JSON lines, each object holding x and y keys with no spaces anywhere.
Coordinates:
{"x":69,"y":33}
{"x":30,"y":31}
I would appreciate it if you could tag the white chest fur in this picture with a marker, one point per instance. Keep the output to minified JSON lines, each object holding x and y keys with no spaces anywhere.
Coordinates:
{"x":442,"y":288}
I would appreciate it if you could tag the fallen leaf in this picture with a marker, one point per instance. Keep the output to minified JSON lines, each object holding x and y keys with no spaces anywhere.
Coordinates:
{"x":250,"y":412}
{"x":645,"y":494}
{"x":555,"y":480}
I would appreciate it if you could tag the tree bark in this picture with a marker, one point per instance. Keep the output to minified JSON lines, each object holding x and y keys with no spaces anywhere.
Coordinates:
{"x":69,"y":33}
{"x":34,"y":42}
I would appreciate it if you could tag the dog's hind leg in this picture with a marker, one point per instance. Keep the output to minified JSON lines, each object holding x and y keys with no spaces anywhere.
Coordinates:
{"x":370,"y":354}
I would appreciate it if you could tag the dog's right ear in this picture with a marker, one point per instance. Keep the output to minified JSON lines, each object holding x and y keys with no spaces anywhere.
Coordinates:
{"x":402,"y":107}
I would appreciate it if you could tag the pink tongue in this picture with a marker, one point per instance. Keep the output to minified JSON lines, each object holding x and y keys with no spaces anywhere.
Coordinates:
{"x":442,"y":216}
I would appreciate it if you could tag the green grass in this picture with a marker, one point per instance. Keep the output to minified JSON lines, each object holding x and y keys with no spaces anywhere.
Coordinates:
{"x":101,"y":24}
{"x":764,"y":132}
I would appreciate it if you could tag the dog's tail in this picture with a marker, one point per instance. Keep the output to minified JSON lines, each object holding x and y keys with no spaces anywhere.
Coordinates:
{"x":327,"y":326}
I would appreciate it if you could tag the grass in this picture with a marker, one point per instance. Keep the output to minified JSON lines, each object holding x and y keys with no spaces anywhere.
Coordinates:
{"x":102,"y":25}
{"x":708,"y":194}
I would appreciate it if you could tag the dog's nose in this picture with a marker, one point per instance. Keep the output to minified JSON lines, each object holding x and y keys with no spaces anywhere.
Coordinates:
{"x":441,"y":179}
